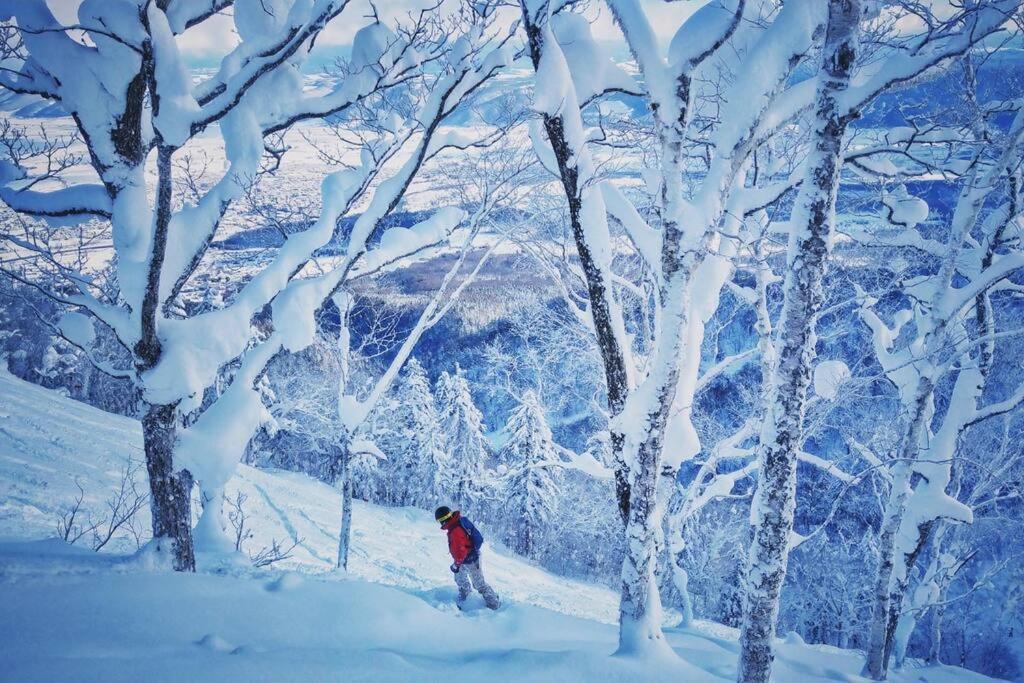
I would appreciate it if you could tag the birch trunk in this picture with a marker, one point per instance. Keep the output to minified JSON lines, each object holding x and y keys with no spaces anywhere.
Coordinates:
{"x":925,"y":594}
{"x":346,"y":512}
{"x":339,"y":475}
{"x":782,"y":432}
{"x":938,"y":612}
{"x":894,"y":640}
{"x":681,"y":580}
{"x":640,"y":605}
{"x":877,"y":653}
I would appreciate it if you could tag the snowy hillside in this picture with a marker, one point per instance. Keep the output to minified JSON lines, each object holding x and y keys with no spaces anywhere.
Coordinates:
{"x":39,"y":466}
{"x":75,"y":615}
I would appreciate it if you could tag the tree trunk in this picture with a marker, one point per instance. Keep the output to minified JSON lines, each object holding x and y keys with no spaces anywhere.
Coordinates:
{"x":879,"y":640}
{"x":209,"y":534}
{"x":345,"y":538}
{"x":680,"y":577}
{"x":599,"y":292}
{"x":905,"y":625}
{"x":782,"y":434}
{"x":170,"y":491}
{"x":640,"y":606}
{"x":894,"y":641}
{"x":938,"y":612}
{"x":341,"y":477}
{"x":874,"y":666}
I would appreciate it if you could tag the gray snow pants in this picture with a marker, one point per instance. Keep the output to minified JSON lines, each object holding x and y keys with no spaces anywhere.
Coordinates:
{"x":471,"y":571}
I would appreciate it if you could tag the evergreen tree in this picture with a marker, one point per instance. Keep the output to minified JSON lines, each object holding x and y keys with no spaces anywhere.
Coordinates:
{"x":406,"y":428}
{"x":531,"y":490}
{"x":462,"y":474}
{"x":365,"y":470}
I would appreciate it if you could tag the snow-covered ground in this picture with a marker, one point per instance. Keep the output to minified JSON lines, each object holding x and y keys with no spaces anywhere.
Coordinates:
{"x":71,"y":614}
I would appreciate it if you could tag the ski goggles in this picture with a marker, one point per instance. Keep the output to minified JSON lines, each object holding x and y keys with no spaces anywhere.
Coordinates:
{"x":444,"y":519}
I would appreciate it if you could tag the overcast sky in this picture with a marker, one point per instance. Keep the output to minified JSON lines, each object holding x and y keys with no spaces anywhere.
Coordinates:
{"x":216,"y":36}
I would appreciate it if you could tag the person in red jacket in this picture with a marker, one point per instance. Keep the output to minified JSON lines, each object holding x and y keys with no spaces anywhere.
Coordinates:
{"x":464,"y":543}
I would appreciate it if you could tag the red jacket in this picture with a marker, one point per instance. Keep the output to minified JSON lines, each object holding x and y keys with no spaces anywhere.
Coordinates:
{"x":459,"y":543}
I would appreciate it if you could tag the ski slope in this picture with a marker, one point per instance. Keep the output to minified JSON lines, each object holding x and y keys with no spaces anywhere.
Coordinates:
{"x":47,"y":443}
{"x":71,"y":614}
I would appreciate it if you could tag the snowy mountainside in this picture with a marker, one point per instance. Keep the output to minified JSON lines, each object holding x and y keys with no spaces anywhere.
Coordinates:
{"x":40,"y":465}
{"x":77,"y":615}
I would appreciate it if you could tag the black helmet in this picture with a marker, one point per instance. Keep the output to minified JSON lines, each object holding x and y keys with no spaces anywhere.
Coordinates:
{"x":442,"y":513}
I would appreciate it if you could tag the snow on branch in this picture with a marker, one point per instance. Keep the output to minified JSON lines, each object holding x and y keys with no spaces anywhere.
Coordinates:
{"x":227,"y":90}
{"x":1003,"y":267}
{"x":998,"y":408}
{"x":78,"y":200}
{"x":646,"y":239}
{"x":955,"y":36}
{"x":727,"y":363}
{"x":295,"y":302}
{"x":184,"y":14}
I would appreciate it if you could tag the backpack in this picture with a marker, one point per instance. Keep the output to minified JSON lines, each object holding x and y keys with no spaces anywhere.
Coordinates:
{"x":474,"y":534}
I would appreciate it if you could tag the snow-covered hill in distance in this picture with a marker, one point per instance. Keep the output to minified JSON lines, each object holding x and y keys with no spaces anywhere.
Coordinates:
{"x":71,"y":614}
{"x":993,"y":72}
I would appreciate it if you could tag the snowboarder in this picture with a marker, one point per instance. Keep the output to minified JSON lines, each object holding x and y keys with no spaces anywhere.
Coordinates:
{"x":464,"y":541}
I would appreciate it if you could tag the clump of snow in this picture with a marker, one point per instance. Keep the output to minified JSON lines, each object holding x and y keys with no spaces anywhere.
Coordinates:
{"x":294,"y":312}
{"x":553,"y":83}
{"x":904,"y":209}
{"x":213,"y":642}
{"x":397,"y":242}
{"x":367,"y":447}
{"x":701,"y":30}
{"x":10,"y":171}
{"x":78,"y":328}
{"x":590,"y":63}
{"x":177,"y":106}
{"x":794,"y":638}
{"x":828,"y":376}
{"x":212,"y":446}
{"x":376,"y":48}
{"x":256,"y":19}
{"x":646,"y":239}
{"x":286,"y":582}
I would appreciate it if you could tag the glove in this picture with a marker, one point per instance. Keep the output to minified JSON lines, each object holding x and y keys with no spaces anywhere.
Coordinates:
{"x":455,"y":567}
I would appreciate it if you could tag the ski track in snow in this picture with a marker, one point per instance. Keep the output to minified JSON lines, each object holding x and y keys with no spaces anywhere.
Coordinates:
{"x":292,"y":533}
{"x":71,"y":614}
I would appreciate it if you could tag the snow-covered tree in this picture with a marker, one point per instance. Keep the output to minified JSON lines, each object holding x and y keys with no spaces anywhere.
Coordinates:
{"x":530,"y":456}
{"x":406,"y":427}
{"x":836,"y":103}
{"x":810,"y":240}
{"x":463,"y":472}
{"x":147,"y":108}
{"x":931,"y":338}
{"x":651,"y":385}
{"x":710,"y":171}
